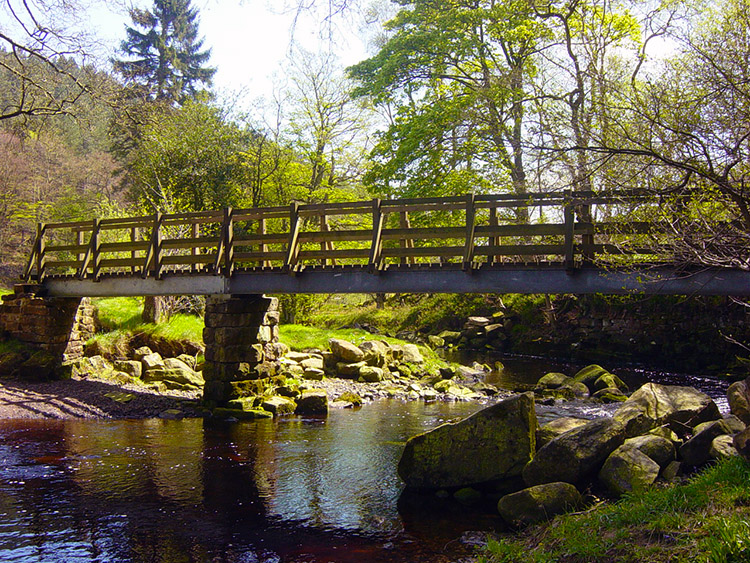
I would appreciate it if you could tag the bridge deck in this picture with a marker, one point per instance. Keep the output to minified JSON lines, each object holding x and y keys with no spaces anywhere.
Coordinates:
{"x":456,"y":245}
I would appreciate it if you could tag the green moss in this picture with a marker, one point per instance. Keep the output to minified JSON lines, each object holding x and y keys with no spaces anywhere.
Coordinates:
{"x":704,"y":519}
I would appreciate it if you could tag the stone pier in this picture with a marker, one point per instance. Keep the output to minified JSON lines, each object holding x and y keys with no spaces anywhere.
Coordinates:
{"x":57,"y":325}
{"x":240,"y":336}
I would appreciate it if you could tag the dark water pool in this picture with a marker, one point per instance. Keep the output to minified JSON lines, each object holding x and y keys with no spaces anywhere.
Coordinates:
{"x":291,"y":490}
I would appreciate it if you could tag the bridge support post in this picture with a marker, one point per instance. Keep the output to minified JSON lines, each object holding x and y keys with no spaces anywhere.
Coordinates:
{"x":240,"y":334}
{"x":58,"y":325}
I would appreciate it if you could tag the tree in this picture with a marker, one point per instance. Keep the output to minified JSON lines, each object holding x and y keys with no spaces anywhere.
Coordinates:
{"x":459,"y":77}
{"x":35,"y":45}
{"x":163,"y":52}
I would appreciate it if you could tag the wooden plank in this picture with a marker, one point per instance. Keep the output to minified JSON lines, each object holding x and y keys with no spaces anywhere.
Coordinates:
{"x":264,"y":257}
{"x":396,"y":206}
{"x":123,"y":246}
{"x":194,"y":235}
{"x":470,"y":215}
{"x":342,"y":253}
{"x":120,"y":263}
{"x":134,"y":253}
{"x":52,"y":264}
{"x":189,"y":259}
{"x":424,"y":251}
{"x":193,"y":244}
{"x":537,"y":230}
{"x":424,"y":233}
{"x":569,"y":243}
{"x":66,"y":248}
{"x":272,"y":238}
{"x":292,"y":253}
{"x":375,"y":261}
{"x":520,"y":249}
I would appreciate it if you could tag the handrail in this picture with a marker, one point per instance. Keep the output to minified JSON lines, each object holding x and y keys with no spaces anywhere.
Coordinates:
{"x":470,"y":230}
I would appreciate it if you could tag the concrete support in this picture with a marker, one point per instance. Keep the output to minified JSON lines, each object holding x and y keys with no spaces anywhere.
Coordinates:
{"x":240,"y":334}
{"x":59,"y":325}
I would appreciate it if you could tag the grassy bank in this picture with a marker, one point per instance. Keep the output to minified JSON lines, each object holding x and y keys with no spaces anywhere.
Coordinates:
{"x":704,"y":519}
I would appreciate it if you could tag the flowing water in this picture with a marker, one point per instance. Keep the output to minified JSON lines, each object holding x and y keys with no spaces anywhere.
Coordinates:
{"x":293,"y":490}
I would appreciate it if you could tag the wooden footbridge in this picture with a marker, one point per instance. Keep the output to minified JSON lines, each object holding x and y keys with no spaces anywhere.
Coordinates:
{"x":472,"y":244}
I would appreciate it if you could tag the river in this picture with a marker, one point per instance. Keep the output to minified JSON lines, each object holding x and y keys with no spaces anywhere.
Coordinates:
{"x":292,"y":490}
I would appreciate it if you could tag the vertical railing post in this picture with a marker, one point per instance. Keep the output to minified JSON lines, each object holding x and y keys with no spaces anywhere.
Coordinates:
{"x":153,"y":254}
{"x":375,"y":262}
{"x":156,"y":241}
{"x":406,"y":242}
{"x":494,"y":240}
{"x":96,"y":250}
{"x":228,"y":235}
{"x":133,"y":253}
{"x":323,"y":220}
{"x":41,"y":246}
{"x":263,"y":247}
{"x":194,"y":248}
{"x":470,"y":229}
{"x":569,"y":231}
{"x":292,"y":251}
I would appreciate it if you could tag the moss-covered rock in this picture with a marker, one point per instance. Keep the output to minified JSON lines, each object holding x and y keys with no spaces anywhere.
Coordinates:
{"x":223,"y":412}
{"x":576,"y":455}
{"x":552,"y":380}
{"x":346,"y":351}
{"x":538,"y":503}
{"x":658,"y":448}
{"x":655,"y":405}
{"x":312,"y":401}
{"x":590,"y":374}
{"x":628,"y":469}
{"x":492,"y":444}
{"x":370,"y":374}
{"x":556,"y":427}
{"x":278,"y":405}
{"x":609,"y":380}
{"x":723,"y":446}
{"x":697,"y":450}
{"x":350,"y":397}
{"x":738,"y":397}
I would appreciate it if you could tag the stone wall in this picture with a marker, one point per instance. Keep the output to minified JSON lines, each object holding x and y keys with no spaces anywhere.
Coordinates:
{"x":58,"y":325}
{"x":239,"y":336}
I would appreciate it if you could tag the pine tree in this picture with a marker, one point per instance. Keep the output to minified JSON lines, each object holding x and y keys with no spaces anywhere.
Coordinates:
{"x":162,"y":52}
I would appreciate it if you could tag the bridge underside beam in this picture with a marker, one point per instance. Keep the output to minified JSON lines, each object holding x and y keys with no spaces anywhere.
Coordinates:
{"x":656,"y":281}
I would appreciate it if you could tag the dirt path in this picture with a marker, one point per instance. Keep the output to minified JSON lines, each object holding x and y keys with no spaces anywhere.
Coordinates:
{"x":88,"y":399}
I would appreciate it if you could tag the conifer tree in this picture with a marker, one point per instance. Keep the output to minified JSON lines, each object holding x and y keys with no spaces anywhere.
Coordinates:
{"x":163,"y":53}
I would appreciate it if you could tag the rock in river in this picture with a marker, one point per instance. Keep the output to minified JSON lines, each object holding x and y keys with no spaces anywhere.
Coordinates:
{"x":538,"y":503}
{"x":490,"y":445}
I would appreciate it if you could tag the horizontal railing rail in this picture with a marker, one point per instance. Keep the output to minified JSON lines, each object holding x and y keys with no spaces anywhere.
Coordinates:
{"x":470,"y":231}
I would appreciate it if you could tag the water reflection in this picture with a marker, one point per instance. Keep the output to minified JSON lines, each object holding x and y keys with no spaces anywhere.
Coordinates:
{"x":292,"y":490}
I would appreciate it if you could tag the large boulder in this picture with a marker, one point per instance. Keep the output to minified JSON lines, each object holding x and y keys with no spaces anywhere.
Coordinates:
{"x":577,"y":454}
{"x":538,"y":503}
{"x":723,"y":446}
{"x":738,"y":396}
{"x":312,"y":401}
{"x":346,"y":351}
{"x":628,"y":469}
{"x":552,"y":380}
{"x":376,"y":352}
{"x":278,"y":405}
{"x":490,"y":445}
{"x":411,"y":354}
{"x":590,"y":374}
{"x":654,"y":405}
{"x":658,"y":448}
{"x":697,"y":450}
{"x":556,"y":427}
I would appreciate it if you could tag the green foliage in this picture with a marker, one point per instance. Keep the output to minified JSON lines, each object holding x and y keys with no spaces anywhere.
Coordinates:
{"x":163,"y":52}
{"x":704,"y":519}
{"x":118,"y":312}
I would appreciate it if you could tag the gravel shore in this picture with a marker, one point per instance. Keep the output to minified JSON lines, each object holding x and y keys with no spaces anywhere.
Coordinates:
{"x":89,"y":398}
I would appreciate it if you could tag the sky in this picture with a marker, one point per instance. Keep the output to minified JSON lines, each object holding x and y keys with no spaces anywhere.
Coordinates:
{"x":250,"y":40}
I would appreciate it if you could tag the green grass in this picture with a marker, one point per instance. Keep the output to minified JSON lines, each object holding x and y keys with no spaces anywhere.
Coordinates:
{"x":120,"y":319}
{"x":704,"y":519}
{"x":299,"y":338}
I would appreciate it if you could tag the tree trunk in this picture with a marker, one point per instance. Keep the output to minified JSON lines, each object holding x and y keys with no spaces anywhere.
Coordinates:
{"x":153,"y":310}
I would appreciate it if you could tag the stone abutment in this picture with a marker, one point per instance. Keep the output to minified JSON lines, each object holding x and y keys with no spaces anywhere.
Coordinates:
{"x":240,"y":336}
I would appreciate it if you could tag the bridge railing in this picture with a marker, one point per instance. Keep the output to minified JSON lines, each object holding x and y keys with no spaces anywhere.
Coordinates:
{"x":468,"y":232}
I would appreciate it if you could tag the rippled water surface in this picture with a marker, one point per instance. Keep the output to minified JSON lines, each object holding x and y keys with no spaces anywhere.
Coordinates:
{"x":292,"y":490}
